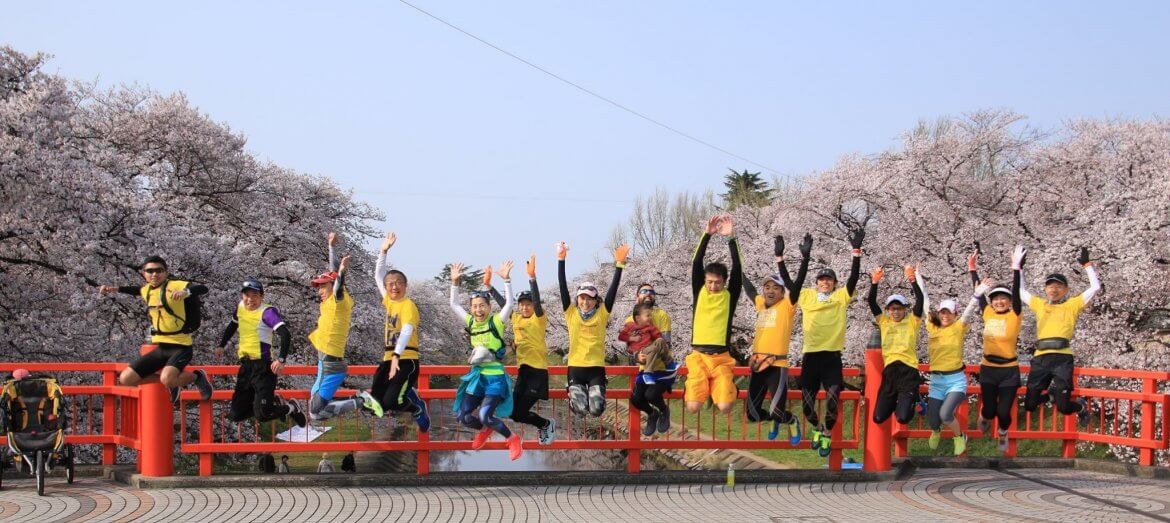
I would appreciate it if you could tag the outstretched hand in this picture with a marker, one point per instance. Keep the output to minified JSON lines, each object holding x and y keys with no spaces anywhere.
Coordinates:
{"x":620,"y":254}
{"x":341,"y":267}
{"x":487,"y":276}
{"x":506,"y":270}
{"x":456,"y":273}
{"x":332,"y":239}
{"x":973,"y":261}
{"x":984,"y":286}
{"x":876,"y":275}
{"x":778,"y":248}
{"x":713,"y":224}
{"x":530,"y":266}
{"x":910,"y":271}
{"x":1083,"y":257}
{"x":389,"y":241}
{"x":857,"y":238}
{"x":562,"y":250}
{"x":726,"y":225}
{"x":806,"y":245}
{"x":1018,"y":255}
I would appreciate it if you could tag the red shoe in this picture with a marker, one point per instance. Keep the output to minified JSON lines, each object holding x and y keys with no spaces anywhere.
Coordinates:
{"x":515,"y":449}
{"x":481,"y":439}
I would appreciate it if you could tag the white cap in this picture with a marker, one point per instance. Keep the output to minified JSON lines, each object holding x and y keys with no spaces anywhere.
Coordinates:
{"x":588,"y":289}
{"x":948,"y":304}
{"x":898,"y":298}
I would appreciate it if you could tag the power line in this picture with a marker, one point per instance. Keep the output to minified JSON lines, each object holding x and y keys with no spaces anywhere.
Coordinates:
{"x":524,"y":198}
{"x":590,"y":92}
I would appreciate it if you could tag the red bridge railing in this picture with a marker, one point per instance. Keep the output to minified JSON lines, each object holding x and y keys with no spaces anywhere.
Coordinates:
{"x":128,"y":416}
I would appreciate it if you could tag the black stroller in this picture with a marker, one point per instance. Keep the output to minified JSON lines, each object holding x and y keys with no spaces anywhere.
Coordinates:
{"x":30,"y":413}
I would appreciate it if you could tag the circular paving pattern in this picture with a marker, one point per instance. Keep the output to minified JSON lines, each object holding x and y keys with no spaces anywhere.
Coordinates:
{"x":930,"y":495}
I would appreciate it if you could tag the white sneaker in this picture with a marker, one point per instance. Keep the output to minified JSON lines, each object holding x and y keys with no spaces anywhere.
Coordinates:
{"x":548,"y":434}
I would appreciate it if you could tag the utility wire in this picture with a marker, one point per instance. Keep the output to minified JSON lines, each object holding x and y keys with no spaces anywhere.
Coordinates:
{"x":590,"y":92}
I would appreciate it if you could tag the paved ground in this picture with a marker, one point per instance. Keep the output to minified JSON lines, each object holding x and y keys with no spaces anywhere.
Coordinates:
{"x":930,"y":495}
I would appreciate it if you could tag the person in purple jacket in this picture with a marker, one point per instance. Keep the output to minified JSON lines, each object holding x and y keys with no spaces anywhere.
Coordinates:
{"x":255,"y":394}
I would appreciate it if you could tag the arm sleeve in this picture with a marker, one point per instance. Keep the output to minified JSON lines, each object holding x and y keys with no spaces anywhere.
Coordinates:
{"x":735,"y":285}
{"x":801,"y":273}
{"x":509,"y":303}
{"x":611,"y":292}
{"x":854,"y":274}
{"x":228,"y":332}
{"x":969,"y":311}
{"x":697,"y":276}
{"x":285,"y":340}
{"x":750,"y":289}
{"x":873,"y":301}
{"x":1017,"y":302}
{"x":404,"y":336}
{"x":1094,"y":284}
{"x":454,"y":303}
{"x":537,"y":306}
{"x":1024,"y":294}
{"x":975,"y":283}
{"x":339,"y":287}
{"x":496,"y":296}
{"x":380,"y":274}
{"x":332,"y":259}
{"x":564,"y":285}
{"x":919,"y":297}
{"x":127,"y":289}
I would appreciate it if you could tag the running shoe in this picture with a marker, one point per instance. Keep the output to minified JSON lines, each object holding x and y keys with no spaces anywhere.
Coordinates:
{"x":174,"y":396}
{"x":203,"y":384}
{"x":296,"y":414}
{"x":826,"y":441}
{"x":985,"y":427}
{"x":651,"y":424}
{"x":548,"y":433}
{"x":922,"y":405}
{"x":817,"y":434}
{"x":515,"y":447}
{"x":935,"y":437}
{"x":1003,"y":441}
{"x":1083,"y":414}
{"x":772,"y":434}
{"x":421,"y":416}
{"x":664,"y":421}
{"x":794,"y":432}
{"x":369,"y":403}
{"x":481,"y":438}
{"x":960,"y":444}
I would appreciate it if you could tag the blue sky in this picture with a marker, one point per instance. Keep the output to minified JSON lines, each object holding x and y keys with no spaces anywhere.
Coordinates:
{"x":477,"y":157}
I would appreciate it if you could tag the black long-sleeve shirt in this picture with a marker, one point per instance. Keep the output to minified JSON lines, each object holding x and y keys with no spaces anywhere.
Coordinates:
{"x":610,"y":294}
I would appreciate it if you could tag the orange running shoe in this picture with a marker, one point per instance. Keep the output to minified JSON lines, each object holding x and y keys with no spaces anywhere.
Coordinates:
{"x":481,"y":439}
{"x":515,"y":449}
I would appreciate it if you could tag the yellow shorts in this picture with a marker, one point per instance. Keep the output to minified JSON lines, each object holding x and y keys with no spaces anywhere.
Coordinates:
{"x":710,"y":376}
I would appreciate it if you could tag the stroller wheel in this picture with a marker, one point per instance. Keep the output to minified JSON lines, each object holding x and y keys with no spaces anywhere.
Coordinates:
{"x":40,"y":472}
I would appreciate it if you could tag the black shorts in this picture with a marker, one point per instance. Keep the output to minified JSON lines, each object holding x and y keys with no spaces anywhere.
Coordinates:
{"x":899,"y":378}
{"x":389,"y":391}
{"x":254,"y":381}
{"x":166,"y":355}
{"x":821,"y":369}
{"x":587,"y":376}
{"x":1051,"y":369}
{"x":999,"y":377}
{"x":531,"y":382}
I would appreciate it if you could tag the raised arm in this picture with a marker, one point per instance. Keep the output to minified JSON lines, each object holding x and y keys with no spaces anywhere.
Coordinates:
{"x":794,"y":286}
{"x":698,"y":276}
{"x":855,"y":241}
{"x":339,"y":283}
{"x":920,"y":300}
{"x":456,"y":275}
{"x":562,"y":251}
{"x":973,"y":272}
{"x":380,"y":268}
{"x":1018,"y":256}
{"x":735,"y":282}
{"x":1094,"y":282}
{"x":332,"y":240}
{"x":510,"y":303}
{"x":976,"y":298}
{"x":750,"y":289}
{"x":533,"y":288}
{"x":1017,"y":302}
{"x":619,"y":263}
{"x":875,"y":278}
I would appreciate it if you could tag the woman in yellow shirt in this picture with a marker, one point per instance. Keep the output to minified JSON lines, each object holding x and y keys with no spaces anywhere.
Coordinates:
{"x":999,"y":372}
{"x":587,"y":319}
{"x":898,"y":393}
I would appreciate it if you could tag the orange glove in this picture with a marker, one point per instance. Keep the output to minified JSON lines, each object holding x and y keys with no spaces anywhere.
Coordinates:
{"x":530,"y":266}
{"x":910,"y":273}
{"x":877,"y":274}
{"x":562,"y":250}
{"x":487,"y":276}
{"x":620,"y":254}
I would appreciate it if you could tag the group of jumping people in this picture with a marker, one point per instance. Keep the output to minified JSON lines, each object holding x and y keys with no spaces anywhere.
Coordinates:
{"x":487,"y":394}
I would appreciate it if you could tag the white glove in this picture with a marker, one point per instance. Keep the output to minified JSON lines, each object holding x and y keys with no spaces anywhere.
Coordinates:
{"x":481,"y":354}
{"x":981,"y":289}
{"x":1018,"y":257}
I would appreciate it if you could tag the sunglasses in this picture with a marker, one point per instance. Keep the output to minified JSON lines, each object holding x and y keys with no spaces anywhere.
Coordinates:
{"x":481,"y":294}
{"x":154,"y":270}
{"x":649,"y":292}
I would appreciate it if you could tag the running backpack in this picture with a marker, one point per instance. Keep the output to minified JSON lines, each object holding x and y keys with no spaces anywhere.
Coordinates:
{"x":193,"y":307}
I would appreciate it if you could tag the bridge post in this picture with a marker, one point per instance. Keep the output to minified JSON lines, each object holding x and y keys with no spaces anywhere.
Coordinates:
{"x":633,"y":420}
{"x":109,"y":418}
{"x":1149,"y":422}
{"x":876,"y":457}
{"x":156,"y":426}
{"x":422,"y":458}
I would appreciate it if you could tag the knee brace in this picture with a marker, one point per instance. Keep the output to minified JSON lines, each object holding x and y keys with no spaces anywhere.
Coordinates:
{"x":578,"y":399}
{"x":596,"y":400}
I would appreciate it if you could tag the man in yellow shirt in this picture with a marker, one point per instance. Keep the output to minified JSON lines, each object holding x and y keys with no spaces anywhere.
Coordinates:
{"x":1051,"y":374}
{"x":715,"y":292}
{"x":329,"y":339}
{"x":823,"y":315}
{"x":395,"y":384}
{"x":775,"y":312}
{"x":898,"y":393}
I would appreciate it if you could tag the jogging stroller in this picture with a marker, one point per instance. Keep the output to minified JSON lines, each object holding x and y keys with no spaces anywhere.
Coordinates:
{"x":30,"y":413}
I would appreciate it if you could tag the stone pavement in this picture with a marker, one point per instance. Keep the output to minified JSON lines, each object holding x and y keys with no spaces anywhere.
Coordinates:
{"x":928,"y":495}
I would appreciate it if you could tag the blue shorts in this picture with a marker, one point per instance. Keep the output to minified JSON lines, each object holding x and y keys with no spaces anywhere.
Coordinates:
{"x":943,"y":384}
{"x":327,"y":384}
{"x":490,"y":386}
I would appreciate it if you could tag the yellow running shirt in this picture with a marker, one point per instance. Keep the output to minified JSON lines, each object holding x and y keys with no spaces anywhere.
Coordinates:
{"x":774,"y":329}
{"x":1056,"y":320}
{"x":945,"y":345}
{"x":531,"y":348}
{"x":333,"y":325}
{"x":1001,"y":332}
{"x":399,"y":313}
{"x":899,"y":339}
{"x":823,"y":322}
{"x":160,"y":320}
{"x":586,"y":338}
{"x":711,"y":318}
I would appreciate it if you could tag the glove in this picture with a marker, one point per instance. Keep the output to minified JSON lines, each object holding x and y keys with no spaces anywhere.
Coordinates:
{"x":779,"y":248}
{"x":806,"y":245}
{"x":973,"y":261}
{"x":1018,"y":257}
{"x":530,"y":266}
{"x":481,"y":355}
{"x":562,"y":250}
{"x":909,"y":270}
{"x":1083,"y":257}
{"x":620,"y":254}
{"x":877,"y":274}
{"x":857,"y":238}
{"x":487,"y":276}
{"x":982,"y":289}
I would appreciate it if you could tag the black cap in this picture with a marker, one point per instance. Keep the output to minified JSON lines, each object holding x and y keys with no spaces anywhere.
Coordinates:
{"x":253,"y":285}
{"x":1055,"y":277}
{"x":524,"y":295}
{"x":826,"y":273}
